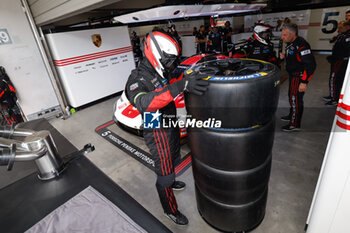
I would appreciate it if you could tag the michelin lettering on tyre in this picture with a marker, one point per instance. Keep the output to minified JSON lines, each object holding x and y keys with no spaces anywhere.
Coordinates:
{"x":223,"y":78}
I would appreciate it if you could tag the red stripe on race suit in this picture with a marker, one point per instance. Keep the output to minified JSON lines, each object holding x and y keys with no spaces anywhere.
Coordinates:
{"x":179,"y":168}
{"x":304,"y":77}
{"x":167,"y":143}
{"x":93,"y":54}
{"x":183,"y":164}
{"x":172,"y":197}
{"x":343,"y":126}
{"x":166,"y":152}
{"x":160,"y":101}
{"x":169,"y":200}
{"x":296,"y":102}
{"x":161,"y":162}
{"x":162,"y":154}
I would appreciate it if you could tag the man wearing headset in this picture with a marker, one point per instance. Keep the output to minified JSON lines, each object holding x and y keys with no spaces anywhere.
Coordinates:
{"x":150,"y":89}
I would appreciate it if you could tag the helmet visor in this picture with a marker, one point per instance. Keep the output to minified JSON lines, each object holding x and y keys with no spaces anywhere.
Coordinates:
{"x":266,"y":35}
{"x":169,"y":61}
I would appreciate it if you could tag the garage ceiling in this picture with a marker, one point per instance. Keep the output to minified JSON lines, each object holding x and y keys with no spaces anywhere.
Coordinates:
{"x":99,"y":9}
{"x":57,"y":13}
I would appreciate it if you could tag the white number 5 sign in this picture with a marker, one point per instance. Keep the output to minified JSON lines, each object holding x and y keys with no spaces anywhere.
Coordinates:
{"x":4,"y":37}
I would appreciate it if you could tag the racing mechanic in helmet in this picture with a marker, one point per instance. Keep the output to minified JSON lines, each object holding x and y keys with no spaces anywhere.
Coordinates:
{"x":259,"y":45}
{"x":150,"y":89}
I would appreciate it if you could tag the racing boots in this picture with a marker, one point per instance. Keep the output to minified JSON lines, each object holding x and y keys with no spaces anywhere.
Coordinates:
{"x":178,"y":185}
{"x":177,"y":218}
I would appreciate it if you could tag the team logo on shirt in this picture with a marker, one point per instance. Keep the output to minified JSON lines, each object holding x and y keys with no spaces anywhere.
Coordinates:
{"x":134,"y":86}
{"x":305,"y":52}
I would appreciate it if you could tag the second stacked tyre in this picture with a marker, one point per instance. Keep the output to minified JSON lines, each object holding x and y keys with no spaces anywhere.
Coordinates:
{"x":231,"y":164}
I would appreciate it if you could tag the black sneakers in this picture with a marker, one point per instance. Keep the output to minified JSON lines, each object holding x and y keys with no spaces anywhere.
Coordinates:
{"x":178,"y":185}
{"x":177,"y":218}
{"x":290,"y":128}
{"x":331,"y":103}
{"x":327,"y":98}
{"x":285,"y":118}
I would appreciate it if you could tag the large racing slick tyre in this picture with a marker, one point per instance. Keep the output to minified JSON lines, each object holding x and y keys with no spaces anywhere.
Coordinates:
{"x":231,"y":218}
{"x":232,"y":163}
{"x":231,"y":188}
{"x":232,"y":149}
{"x":241,"y":93}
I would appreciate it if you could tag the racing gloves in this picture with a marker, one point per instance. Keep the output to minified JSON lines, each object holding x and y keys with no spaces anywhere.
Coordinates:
{"x":194,"y":83}
{"x":191,"y":82}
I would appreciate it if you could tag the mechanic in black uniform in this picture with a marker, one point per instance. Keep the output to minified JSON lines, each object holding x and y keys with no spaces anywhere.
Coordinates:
{"x":300,"y":65}
{"x":227,"y":33}
{"x":136,"y":48}
{"x":201,"y":40}
{"x":214,"y":39}
{"x":259,"y":45}
{"x":149,"y":90}
{"x":339,"y":62}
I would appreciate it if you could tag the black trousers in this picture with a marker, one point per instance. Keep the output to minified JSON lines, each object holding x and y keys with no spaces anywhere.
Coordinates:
{"x":336,"y":79}
{"x":164,"y":145}
{"x":296,"y":101}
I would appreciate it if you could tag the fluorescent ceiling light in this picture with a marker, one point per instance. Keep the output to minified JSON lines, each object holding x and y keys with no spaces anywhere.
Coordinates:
{"x":185,"y":11}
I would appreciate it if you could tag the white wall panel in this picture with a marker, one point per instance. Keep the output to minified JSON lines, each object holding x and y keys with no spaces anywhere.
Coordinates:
{"x":88,"y":72}
{"x":23,"y":62}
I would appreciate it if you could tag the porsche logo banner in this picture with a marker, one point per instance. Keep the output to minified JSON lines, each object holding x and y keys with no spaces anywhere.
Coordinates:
{"x":100,"y":54}
{"x":96,"y":39}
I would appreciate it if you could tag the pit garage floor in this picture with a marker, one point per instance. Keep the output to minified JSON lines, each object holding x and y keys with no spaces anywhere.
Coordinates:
{"x":297,"y":158}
